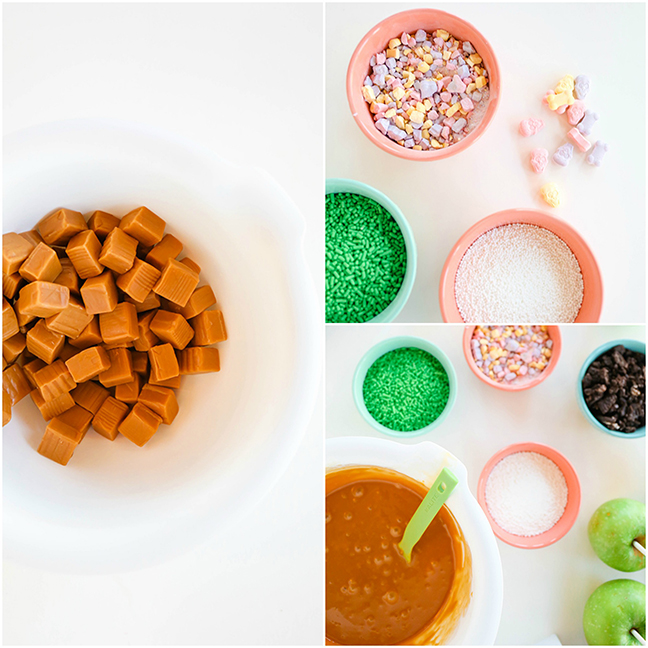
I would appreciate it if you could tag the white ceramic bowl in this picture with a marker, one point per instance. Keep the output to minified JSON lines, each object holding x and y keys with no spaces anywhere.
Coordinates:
{"x":423,"y":462}
{"x":116,"y":506}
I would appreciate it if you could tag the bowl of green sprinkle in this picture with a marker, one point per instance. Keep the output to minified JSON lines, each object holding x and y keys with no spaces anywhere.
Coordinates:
{"x":370,"y":254}
{"x":405,"y":386}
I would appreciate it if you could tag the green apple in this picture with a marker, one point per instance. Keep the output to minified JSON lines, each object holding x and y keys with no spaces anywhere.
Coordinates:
{"x":613,"y":610}
{"x":612,"y":530}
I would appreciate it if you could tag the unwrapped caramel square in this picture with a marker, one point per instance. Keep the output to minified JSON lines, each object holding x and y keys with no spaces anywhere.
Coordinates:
{"x":102,"y":223}
{"x":84,"y":250}
{"x":13,"y":347}
{"x":15,"y":249}
{"x":163,"y":361}
{"x":172,"y":328}
{"x":171,"y":383}
{"x":119,"y":326}
{"x":176,"y":283}
{"x":209,"y":328}
{"x":58,"y":228}
{"x":190,"y":263}
{"x":201,"y":299}
{"x":33,"y":237}
{"x":151,"y":302}
{"x":160,"y":400}
{"x":59,"y":441}
{"x":15,"y":383}
{"x":78,"y":418}
{"x":11,"y":284}
{"x":51,"y":408}
{"x":118,"y":251}
{"x":196,"y":360}
{"x":145,"y":226}
{"x":146,"y":339}
{"x":121,"y":368}
{"x":54,"y":380}
{"x":72,"y":320}
{"x":43,"y":298}
{"x":42,"y":264}
{"x":9,"y":321}
{"x":88,"y":363}
{"x":90,"y":336}
{"x":128,"y":392}
{"x":140,"y":424}
{"x":107,"y":419}
{"x":99,"y":294}
{"x":90,"y":396}
{"x":68,"y":276}
{"x":138,"y":282}
{"x":43,"y":343}
{"x":30,"y":368}
{"x":140,"y":362}
{"x":168,"y":248}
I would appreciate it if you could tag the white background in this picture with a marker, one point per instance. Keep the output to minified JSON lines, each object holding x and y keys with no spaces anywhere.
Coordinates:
{"x":545,"y":590}
{"x":203,"y":72}
{"x":536,"y":44}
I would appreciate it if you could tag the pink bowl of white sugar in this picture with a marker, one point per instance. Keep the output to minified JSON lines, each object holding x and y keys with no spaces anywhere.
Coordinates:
{"x":530,"y":494}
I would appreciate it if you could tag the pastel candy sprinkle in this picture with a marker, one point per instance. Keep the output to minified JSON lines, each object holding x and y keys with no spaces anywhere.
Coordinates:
{"x":595,"y":158}
{"x":581,"y":142}
{"x":530,"y":126}
{"x":539,"y":159}
{"x":581,"y":86}
{"x":563,"y":154}
{"x":550,"y":194}
{"x":588,"y":121}
{"x":575,"y":113}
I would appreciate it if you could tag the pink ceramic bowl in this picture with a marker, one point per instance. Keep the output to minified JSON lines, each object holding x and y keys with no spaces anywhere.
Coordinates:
{"x":554,"y":334}
{"x":376,"y":40}
{"x":590,"y":310}
{"x":573,"y":497}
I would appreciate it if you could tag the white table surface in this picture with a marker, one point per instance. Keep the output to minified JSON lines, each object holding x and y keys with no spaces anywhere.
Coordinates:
{"x":544,"y":589}
{"x":536,"y":44}
{"x":199,"y":71}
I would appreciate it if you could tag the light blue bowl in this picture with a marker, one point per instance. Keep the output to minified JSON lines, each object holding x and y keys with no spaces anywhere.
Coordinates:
{"x":633,"y":345}
{"x":342,"y":185}
{"x":390,"y":345}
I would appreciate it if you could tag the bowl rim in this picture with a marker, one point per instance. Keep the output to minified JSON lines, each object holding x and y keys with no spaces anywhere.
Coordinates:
{"x":564,"y":524}
{"x":600,"y":350}
{"x":393,"y":309}
{"x":356,"y":102}
{"x":391,"y":344}
{"x":554,"y":335}
{"x":523,"y":215}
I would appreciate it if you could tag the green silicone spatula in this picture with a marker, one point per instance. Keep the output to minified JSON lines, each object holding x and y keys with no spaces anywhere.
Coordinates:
{"x":437,"y":495}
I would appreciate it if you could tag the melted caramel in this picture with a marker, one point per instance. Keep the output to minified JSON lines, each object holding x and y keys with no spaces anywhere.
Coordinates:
{"x":373,"y":596}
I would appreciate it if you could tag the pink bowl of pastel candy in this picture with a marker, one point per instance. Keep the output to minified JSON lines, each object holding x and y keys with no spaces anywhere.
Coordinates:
{"x":521,"y":356}
{"x":377,"y":41}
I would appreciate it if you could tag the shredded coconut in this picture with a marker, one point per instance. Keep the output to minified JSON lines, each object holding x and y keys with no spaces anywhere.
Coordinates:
{"x":519,"y":272}
{"x":526,"y":494}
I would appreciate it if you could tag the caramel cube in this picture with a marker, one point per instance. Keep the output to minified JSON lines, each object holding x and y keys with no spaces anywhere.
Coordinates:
{"x":209,"y":328}
{"x":31,"y":368}
{"x":146,"y":339}
{"x":41,"y":265}
{"x":140,"y":362}
{"x":33,"y":237}
{"x":120,"y":325}
{"x":59,"y":441}
{"x":171,"y":383}
{"x":84,"y":250}
{"x":109,"y":416}
{"x":201,"y":299}
{"x":128,"y":392}
{"x":43,"y":298}
{"x":160,"y":400}
{"x":13,"y":347}
{"x":71,"y":321}
{"x":138,"y":282}
{"x":58,"y":228}
{"x":15,"y":383}
{"x":78,"y":418}
{"x":145,"y":226}
{"x":90,"y":396}
{"x":172,"y":328}
{"x":151,"y":302}
{"x":43,"y":343}
{"x":163,"y":361}
{"x":9,"y":321}
{"x":15,"y":249}
{"x":168,"y":248}
{"x":140,"y":424}
{"x":51,"y":408}
{"x":6,"y":408}
{"x":197,"y":360}
{"x":102,"y":223}
{"x":99,"y":294}
{"x":90,"y":336}
{"x":54,"y":380}
{"x":11,"y":283}
{"x":190,"y":263}
{"x":118,"y":251}
{"x":176,"y":283}
{"x":67,"y":352}
{"x":120,"y":370}
{"x":68,"y":276}
{"x":88,"y":363}
{"x":22,"y":318}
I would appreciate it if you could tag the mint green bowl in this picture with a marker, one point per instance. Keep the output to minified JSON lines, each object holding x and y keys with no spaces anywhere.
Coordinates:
{"x":392,"y":344}
{"x":342,"y":185}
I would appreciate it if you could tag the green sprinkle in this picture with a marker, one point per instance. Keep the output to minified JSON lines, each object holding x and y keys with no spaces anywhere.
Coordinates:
{"x":406,"y":389}
{"x":365,"y":252}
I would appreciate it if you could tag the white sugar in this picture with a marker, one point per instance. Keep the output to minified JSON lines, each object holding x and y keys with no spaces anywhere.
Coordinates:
{"x":519,"y":272}
{"x":526,"y":493}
